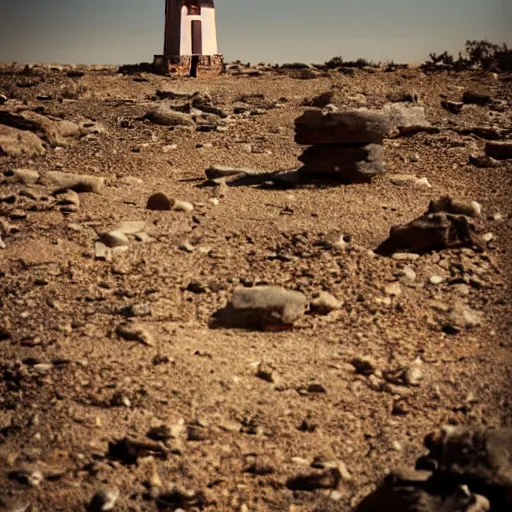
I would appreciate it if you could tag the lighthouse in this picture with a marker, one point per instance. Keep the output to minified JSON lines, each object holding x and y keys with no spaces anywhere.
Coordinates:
{"x":190,"y":41}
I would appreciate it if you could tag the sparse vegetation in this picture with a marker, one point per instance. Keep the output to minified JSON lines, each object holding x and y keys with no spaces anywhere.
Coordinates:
{"x":338,"y":63}
{"x":482,"y":55}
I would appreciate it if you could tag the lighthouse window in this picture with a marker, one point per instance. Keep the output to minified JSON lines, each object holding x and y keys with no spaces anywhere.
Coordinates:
{"x":193,"y":7}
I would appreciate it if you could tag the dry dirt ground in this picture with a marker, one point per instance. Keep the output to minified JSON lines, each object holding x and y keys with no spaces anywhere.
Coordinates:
{"x":70,"y":385}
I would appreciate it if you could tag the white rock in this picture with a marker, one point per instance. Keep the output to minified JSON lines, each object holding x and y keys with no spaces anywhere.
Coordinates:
{"x":409,"y":273}
{"x":436,"y":280}
{"x":393,"y":289}
{"x":131,"y":227}
{"x":183,"y":206}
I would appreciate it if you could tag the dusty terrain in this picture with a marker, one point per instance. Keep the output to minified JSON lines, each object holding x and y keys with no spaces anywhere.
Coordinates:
{"x":70,"y":385}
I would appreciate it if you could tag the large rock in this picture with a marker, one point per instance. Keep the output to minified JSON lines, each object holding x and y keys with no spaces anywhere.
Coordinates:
{"x":165,"y":116}
{"x":14,"y":142}
{"x":480,"y":457}
{"x":77,"y":182}
{"x":431,"y":232}
{"x":407,"y":119}
{"x":25,"y":176}
{"x":55,"y":132}
{"x":347,"y":127}
{"x":450,"y":205}
{"x":347,"y":163}
{"x":411,"y":492}
{"x":499,"y":150}
{"x":263,"y":308}
{"x":476,"y":98}
{"x":469,"y":470}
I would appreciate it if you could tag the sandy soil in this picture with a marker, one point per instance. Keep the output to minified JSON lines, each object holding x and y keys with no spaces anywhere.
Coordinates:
{"x":69,"y":385}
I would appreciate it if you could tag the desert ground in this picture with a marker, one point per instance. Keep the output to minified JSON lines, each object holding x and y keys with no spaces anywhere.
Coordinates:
{"x":112,"y":375}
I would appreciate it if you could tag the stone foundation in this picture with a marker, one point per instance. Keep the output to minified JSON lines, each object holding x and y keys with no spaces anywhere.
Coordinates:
{"x":180,"y":65}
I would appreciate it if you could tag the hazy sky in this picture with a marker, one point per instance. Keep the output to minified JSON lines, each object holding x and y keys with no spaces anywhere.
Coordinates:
{"x":130,"y":31}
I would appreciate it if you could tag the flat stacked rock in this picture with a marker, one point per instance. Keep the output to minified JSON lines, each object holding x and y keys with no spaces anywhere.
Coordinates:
{"x":345,"y":145}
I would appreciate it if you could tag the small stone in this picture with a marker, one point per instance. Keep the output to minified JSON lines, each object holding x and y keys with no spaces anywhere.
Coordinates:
{"x":187,"y":246}
{"x":69,"y":200}
{"x":393,"y":289}
{"x":405,"y":256}
{"x":316,"y":388}
{"x":135,"y":332}
{"x":414,"y":374}
{"x":140,"y":309}
{"x":104,"y":500}
{"x":114,"y":239}
{"x":409,"y":180}
{"x":435,"y":280}
{"x":182,"y":206}
{"x":462,"y":317}
{"x":325,"y":303}
{"x":159,"y":202}
{"x":329,"y":479}
{"x":27,"y":475}
{"x":488,"y":237}
{"x":120,"y":399}
{"x":265,"y":372}
{"x":364,"y":365}
{"x":453,"y":107}
{"x":101,"y":251}
{"x":409,"y":273}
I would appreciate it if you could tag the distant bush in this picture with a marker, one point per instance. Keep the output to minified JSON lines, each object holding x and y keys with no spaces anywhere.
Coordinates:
{"x":477,"y":54}
{"x":295,"y":65}
{"x":389,"y":67}
{"x":334,"y":63}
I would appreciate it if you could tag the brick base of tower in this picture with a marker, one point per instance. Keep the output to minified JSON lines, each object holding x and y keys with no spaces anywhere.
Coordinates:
{"x":180,"y":65}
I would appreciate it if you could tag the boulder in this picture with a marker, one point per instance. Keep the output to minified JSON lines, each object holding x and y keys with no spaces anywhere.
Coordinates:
{"x":263,"y":308}
{"x":431,"y":232}
{"x":15,"y":142}
{"x":499,"y":150}
{"x":346,"y":127}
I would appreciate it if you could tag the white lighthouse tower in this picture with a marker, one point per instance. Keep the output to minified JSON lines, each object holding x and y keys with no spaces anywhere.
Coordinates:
{"x":190,"y":45}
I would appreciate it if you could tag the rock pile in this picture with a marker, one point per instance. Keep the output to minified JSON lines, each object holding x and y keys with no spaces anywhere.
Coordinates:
{"x":345,"y":145}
